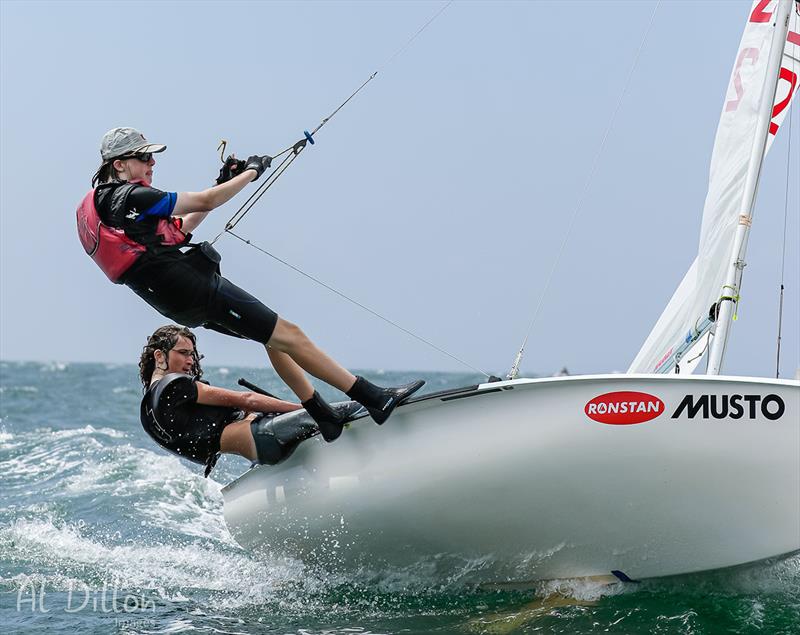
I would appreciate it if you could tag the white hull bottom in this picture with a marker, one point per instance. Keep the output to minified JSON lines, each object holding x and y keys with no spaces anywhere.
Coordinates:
{"x":517,"y":482}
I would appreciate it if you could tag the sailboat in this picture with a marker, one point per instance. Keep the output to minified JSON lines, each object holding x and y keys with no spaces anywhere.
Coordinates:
{"x":656,"y":472}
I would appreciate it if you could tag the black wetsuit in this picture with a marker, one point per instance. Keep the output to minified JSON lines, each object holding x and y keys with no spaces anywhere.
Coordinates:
{"x":184,"y":286}
{"x":171,"y":415}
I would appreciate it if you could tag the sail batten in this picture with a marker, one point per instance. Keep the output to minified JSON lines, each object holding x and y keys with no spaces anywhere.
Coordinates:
{"x":737,"y":147}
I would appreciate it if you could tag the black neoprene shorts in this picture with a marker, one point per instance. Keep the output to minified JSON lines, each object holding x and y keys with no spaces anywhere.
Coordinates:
{"x":187,"y":290}
{"x":233,"y":311}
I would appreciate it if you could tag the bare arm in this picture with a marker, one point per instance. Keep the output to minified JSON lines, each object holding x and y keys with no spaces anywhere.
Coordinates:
{"x":193,"y":207}
{"x":247,"y":401}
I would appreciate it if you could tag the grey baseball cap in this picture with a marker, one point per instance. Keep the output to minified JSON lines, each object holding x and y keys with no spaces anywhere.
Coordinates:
{"x":118,"y":142}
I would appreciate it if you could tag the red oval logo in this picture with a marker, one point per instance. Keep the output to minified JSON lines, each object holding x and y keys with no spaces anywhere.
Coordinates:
{"x":624,"y":408}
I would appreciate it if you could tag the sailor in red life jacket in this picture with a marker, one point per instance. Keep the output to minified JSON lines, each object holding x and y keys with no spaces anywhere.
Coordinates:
{"x":134,"y":233}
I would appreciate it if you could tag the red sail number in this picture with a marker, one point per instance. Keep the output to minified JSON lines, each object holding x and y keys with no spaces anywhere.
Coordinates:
{"x":746,"y":54}
{"x":790,"y":77}
{"x":758,"y":14}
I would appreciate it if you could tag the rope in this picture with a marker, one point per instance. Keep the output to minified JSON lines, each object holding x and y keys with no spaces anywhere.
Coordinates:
{"x":358,"y":304}
{"x":711,"y":335}
{"x":701,"y":353}
{"x":295,"y":150}
{"x":258,"y":193}
{"x":582,"y":197}
{"x":371,"y":77}
{"x":783,"y":247}
{"x":298,"y":146}
{"x":413,"y":37}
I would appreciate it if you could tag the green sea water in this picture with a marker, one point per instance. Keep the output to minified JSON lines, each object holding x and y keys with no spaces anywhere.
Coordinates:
{"x":103,"y":532}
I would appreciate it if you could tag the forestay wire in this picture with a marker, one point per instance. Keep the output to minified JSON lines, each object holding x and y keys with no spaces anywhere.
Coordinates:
{"x":512,"y":374}
{"x":783,"y":246}
{"x":294,"y":150}
{"x":289,"y":154}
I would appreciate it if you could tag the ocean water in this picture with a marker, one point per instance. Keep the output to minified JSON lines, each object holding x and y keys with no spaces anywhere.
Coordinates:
{"x":103,"y":532}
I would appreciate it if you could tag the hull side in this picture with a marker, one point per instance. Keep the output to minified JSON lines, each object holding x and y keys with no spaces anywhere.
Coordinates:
{"x":517,"y":482}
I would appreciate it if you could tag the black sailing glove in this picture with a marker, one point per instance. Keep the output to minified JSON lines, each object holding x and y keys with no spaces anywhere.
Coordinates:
{"x":232,"y":167}
{"x":259,"y":164}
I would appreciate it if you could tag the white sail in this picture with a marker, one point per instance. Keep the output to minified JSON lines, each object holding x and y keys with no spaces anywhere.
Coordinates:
{"x":678,"y":334}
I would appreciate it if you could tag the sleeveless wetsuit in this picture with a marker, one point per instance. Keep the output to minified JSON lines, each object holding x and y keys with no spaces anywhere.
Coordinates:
{"x":170,"y":414}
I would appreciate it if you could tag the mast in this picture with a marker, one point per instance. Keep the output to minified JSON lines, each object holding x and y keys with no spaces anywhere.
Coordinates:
{"x":730,"y":291}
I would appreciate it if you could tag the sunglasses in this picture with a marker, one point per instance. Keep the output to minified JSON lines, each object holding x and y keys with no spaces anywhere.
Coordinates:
{"x":144,"y":157}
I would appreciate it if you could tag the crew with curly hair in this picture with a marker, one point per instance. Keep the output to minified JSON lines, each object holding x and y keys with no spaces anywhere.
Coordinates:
{"x":189,"y":417}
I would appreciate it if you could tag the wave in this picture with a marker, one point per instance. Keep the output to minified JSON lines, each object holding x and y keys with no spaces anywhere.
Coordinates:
{"x":18,"y":389}
{"x":54,"y":367}
{"x":72,"y":554}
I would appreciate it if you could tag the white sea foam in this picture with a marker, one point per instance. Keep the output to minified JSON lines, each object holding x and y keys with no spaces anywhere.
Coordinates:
{"x":755,"y":620}
{"x":53,"y":581}
{"x":779,"y":576}
{"x":86,"y":431}
{"x":179,"y":499}
{"x":196,"y":565}
{"x":40,"y":464}
{"x":59,"y":454}
{"x":583,"y":589}
{"x":163,"y":490}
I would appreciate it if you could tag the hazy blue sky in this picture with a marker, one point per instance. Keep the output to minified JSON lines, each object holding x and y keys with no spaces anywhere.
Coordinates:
{"x":438,"y":197}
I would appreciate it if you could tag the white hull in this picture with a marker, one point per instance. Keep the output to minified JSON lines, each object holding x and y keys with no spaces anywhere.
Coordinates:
{"x":517,"y":477}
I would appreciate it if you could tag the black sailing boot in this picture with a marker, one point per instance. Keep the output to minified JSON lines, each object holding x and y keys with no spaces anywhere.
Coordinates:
{"x":330,"y":421}
{"x":381,"y":401}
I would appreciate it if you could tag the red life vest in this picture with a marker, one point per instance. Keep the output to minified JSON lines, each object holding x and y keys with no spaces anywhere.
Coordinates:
{"x":109,"y":247}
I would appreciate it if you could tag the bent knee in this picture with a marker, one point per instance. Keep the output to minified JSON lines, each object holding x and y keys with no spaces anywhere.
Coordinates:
{"x":238,"y":439}
{"x":287,"y":335}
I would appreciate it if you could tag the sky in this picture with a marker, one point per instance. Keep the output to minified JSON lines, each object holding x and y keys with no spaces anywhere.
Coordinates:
{"x":439,"y":197}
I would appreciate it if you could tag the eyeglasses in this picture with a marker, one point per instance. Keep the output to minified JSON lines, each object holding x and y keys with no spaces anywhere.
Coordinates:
{"x":144,"y":157}
{"x":187,"y":353}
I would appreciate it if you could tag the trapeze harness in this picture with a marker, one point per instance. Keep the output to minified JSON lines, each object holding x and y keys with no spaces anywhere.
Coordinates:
{"x":171,"y":415}
{"x":113,"y":251}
